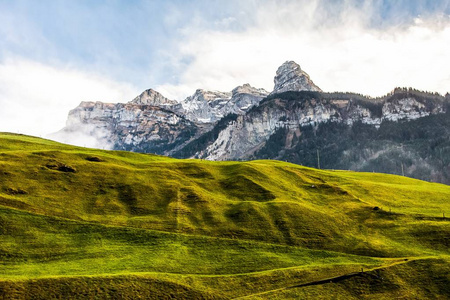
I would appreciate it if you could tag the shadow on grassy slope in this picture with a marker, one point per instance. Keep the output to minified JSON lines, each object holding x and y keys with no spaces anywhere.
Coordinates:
{"x":124,"y":213}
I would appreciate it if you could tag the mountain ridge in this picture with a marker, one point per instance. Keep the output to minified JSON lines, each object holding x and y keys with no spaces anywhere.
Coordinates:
{"x":155,"y":124}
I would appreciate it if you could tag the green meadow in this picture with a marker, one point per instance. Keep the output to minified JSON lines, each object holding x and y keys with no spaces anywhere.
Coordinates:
{"x":78,"y":223}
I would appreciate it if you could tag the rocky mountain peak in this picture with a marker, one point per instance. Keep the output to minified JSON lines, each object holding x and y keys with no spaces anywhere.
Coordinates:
{"x":224,"y":126}
{"x":210,"y":106}
{"x":248,"y":89}
{"x":290,"y":77}
{"x":153,"y":98}
{"x":205,"y":95}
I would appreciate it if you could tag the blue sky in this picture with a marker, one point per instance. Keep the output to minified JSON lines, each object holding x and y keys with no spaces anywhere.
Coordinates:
{"x":125,"y":40}
{"x":55,"y":54}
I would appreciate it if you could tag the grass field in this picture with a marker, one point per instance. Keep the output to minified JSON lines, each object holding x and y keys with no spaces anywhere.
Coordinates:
{"x":84,"y":223}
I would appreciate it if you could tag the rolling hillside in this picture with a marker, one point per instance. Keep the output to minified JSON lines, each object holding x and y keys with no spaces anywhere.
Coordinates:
{"x":83,"y":223}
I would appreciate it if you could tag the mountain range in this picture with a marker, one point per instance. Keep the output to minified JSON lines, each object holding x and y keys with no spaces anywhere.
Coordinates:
{"x":405,"y":132}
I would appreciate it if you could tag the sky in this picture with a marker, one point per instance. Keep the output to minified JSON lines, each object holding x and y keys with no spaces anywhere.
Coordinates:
{"x":56,"y":53}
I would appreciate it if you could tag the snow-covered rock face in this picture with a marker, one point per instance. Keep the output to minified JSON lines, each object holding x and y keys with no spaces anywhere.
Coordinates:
{"x":153,"y":123}
{"x":407,"y":108}
{"x":129,"y":126}
{"x":290,"y":77}
{"x":248,"y":89}
{"x":205,"y":106}
{"x":243,"y":137}
{"x":245,"y":97}
{"x":211,"y":106}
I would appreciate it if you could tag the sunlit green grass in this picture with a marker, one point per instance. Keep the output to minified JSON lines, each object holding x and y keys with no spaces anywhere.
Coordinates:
{"x":217,"y":229}
{"x":51,"y":246}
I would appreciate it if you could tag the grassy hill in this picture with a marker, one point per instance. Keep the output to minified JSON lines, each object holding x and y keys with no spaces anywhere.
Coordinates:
{"x":84,"y":223}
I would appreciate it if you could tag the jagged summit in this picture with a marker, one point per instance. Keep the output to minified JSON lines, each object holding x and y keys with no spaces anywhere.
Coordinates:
{"x":210,"y":106}
{"x":290,"y":77}
{"x":238,"y":125}
{"x":153,"y":98}
{"x":205,"y":95}
{"x":248,"y":89}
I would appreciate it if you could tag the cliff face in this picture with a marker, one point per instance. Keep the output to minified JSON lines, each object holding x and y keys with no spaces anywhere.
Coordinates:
{"x":130,"y":126}
{"x":242,"y":138}
{"x":211,"y":106}
{"x":152,"y":122}
{"x":290,"y":77}
{"x":294,"y":122}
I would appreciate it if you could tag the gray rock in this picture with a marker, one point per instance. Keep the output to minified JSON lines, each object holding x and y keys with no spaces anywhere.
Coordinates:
{"x":153,"y":98}
{"x":290,"y":77}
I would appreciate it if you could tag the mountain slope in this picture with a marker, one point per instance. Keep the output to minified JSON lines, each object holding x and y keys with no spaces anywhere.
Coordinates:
{"x":406,"y":128}
{"x":78,"y":222}
{"x":151,"y":123}
{"x":397,"y":133}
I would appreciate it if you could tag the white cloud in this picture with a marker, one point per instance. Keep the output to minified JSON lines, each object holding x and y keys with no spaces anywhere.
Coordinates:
{"x":36,"y":98}
{"x":338,"y":43}
{"x":341,"y":50}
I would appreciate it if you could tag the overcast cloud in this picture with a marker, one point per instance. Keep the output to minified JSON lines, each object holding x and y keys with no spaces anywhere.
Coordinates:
{"x":348,"y":50}
{"x":55,"y":54}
